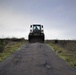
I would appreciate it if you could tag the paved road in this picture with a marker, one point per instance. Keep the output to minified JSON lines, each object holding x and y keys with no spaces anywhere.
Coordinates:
{"x":35,"y":59}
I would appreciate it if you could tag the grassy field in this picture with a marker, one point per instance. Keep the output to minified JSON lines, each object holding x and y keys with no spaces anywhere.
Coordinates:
{"x":10,"y":47}
{"x":66,"y":50}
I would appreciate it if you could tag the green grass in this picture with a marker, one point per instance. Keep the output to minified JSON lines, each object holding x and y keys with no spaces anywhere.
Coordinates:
{"x":67,"y":55}
{"x":9,"y":49}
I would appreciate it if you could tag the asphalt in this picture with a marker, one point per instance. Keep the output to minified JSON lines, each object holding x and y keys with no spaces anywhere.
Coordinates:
{"x":35,"y":59}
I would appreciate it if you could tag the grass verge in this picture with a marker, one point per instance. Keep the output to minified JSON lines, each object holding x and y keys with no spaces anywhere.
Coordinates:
{"x":67,"y":55}
{"x":9,"y":49}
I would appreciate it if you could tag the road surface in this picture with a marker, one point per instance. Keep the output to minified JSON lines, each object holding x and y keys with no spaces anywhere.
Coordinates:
{"x":35,"y":59}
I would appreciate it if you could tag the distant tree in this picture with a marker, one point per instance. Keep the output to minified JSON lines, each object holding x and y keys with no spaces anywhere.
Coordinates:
{"x":56,"y":41}
{"x":1,"y":45}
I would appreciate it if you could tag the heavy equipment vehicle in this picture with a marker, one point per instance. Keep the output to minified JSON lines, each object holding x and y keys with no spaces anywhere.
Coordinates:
{"x":36,"y":33}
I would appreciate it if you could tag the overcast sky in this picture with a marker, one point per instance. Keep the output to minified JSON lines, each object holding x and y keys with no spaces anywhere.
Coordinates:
{"x":57,"y":16}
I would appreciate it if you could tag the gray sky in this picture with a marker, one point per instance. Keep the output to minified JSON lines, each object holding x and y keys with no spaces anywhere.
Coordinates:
{"x":57,"y":16}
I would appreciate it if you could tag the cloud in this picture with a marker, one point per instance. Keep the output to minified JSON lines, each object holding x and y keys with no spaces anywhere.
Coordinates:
{"x":14,"y":23}
{"x":58,"y":18}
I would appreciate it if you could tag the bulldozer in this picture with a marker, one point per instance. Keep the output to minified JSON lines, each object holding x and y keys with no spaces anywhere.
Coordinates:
{"x":36,"y":34}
